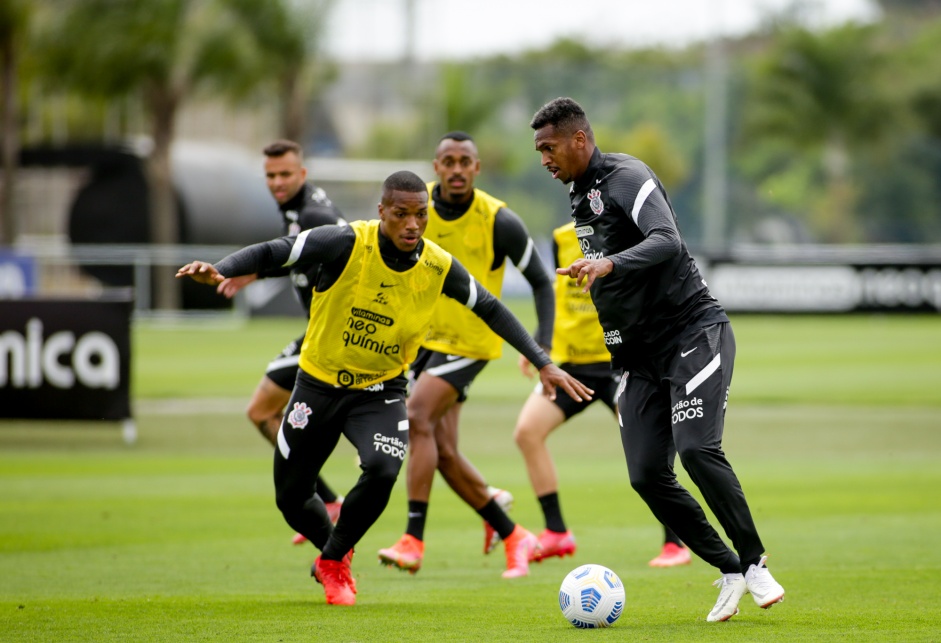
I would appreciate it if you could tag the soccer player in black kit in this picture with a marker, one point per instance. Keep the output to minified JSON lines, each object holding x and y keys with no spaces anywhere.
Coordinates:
{"x":372,"y":301}
{"x":302,"y":206}
{"x":671,"y":338}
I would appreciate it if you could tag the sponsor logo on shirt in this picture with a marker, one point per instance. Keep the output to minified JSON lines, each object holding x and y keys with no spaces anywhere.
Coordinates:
{"x":585,"y":245}
{"x":347,"y":379}
{"x":435,"y":267}
{"x":369,"y":315}
{"x":612,"y":337}
{"x":584,"y":231}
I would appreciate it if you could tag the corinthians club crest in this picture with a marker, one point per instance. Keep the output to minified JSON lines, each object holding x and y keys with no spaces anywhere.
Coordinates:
{"x":594,"y":197}
{"x":299,"y":414}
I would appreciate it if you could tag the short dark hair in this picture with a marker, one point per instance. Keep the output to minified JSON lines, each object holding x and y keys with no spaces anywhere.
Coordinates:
{"x":565,"y":115}
{"x":402,"y":181}
{"x":456,"y":135}
{"x":282,"y":147}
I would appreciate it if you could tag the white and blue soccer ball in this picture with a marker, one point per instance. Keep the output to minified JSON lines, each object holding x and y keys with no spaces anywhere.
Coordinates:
{"x":592,"y":596}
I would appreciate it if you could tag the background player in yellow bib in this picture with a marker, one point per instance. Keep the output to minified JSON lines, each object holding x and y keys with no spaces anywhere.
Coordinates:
{"x":371,"y":305}
{"x":482,"y":233}
{"x":302,"y":205}
{"x":578,"y":347}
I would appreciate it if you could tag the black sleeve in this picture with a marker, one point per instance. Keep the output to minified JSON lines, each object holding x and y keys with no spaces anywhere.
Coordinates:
{"x":511,"y":239}
{"x":462,"y":287}
{"x":636,"y":190}
{"x":268,"y":273}
{"x":317,"y":245}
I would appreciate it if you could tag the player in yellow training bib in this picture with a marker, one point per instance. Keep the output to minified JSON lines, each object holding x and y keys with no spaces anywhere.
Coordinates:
{"x":483,"y":233}
{"x":378,"y":285}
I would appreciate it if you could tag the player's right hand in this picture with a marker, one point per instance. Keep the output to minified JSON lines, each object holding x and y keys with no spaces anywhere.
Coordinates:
{"x":231,"y":285}
{"x":202,"y":272}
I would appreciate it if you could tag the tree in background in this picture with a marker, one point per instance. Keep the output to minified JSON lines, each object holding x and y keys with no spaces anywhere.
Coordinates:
{"x":815,"y":101}
{"x":921,"y":6}
{"x":15,"y":18}
{"x":288,"y":34}
{"x":902,"y":185}
{"x":165,"y":51}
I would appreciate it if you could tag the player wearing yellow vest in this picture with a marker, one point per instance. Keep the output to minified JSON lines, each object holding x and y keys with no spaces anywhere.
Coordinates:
{"x":482,"y":233}
{"x":579,"y":349}
{"x":371,"y":304}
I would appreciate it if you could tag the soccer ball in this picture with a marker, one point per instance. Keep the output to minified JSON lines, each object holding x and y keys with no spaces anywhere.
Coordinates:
{"x":591,"y":596}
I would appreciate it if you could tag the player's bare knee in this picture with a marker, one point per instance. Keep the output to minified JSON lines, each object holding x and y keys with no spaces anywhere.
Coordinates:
{"x":419,"y":425}
{"x":256,"y":415}
{"x":525,"y":437}
{"x":447,"y":456}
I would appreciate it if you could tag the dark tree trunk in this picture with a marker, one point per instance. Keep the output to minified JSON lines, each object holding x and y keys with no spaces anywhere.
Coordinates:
{"x":164,"y":228}
{"x":9,"y":122}
{"x":292,"y":107}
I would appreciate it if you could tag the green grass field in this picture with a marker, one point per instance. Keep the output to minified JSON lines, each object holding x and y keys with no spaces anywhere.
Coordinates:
{"x":833,"y":429}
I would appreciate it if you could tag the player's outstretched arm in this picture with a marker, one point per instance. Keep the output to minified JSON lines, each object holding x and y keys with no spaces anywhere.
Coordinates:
{"x":202,"y":272}
{"x":461,"y":286}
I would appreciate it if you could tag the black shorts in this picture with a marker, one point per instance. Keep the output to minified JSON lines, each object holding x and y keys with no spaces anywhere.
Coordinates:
{"x":456,"y":370}
{"x":282,"y":370}
{"x":374,"y":421}
{"x":598,"y":376}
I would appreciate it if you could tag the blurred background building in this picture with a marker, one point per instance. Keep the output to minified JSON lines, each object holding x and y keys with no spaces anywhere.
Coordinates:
{"x":132,"y":129}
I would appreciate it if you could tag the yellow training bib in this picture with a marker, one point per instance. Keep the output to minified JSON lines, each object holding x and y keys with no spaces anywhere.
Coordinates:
{"x":455,"y":329}
{"x":577,"y":337}
{"x":367,"y":327}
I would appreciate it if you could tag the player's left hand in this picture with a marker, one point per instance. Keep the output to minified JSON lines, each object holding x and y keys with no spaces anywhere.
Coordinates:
{"x":526,"y":367}
{"x":202,"y":272}
{"x":551,"y":376}
{"x":587,"y":270}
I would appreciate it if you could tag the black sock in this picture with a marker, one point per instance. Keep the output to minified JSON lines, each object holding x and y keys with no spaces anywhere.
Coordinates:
{"x":552,"y":512}
{"x":325,"y":492}
{"x":748,"y":563}
{"x":669,"y":536}
{"x":417,"y":512}
{"x":493,"y":514}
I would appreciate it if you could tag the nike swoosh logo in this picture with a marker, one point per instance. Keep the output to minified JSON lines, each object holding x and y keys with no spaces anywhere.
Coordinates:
{"x":451,"y":358}
{"x":391,"y":401}
{"x":688,"y":352}
{"x":597,"y":181}
{"x":445,"y":234}
{"x":382,"y":285}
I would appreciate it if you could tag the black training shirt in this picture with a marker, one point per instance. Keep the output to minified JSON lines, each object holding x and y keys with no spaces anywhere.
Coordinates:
{"x":309,"y":208}
{"x":655,"y":292}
